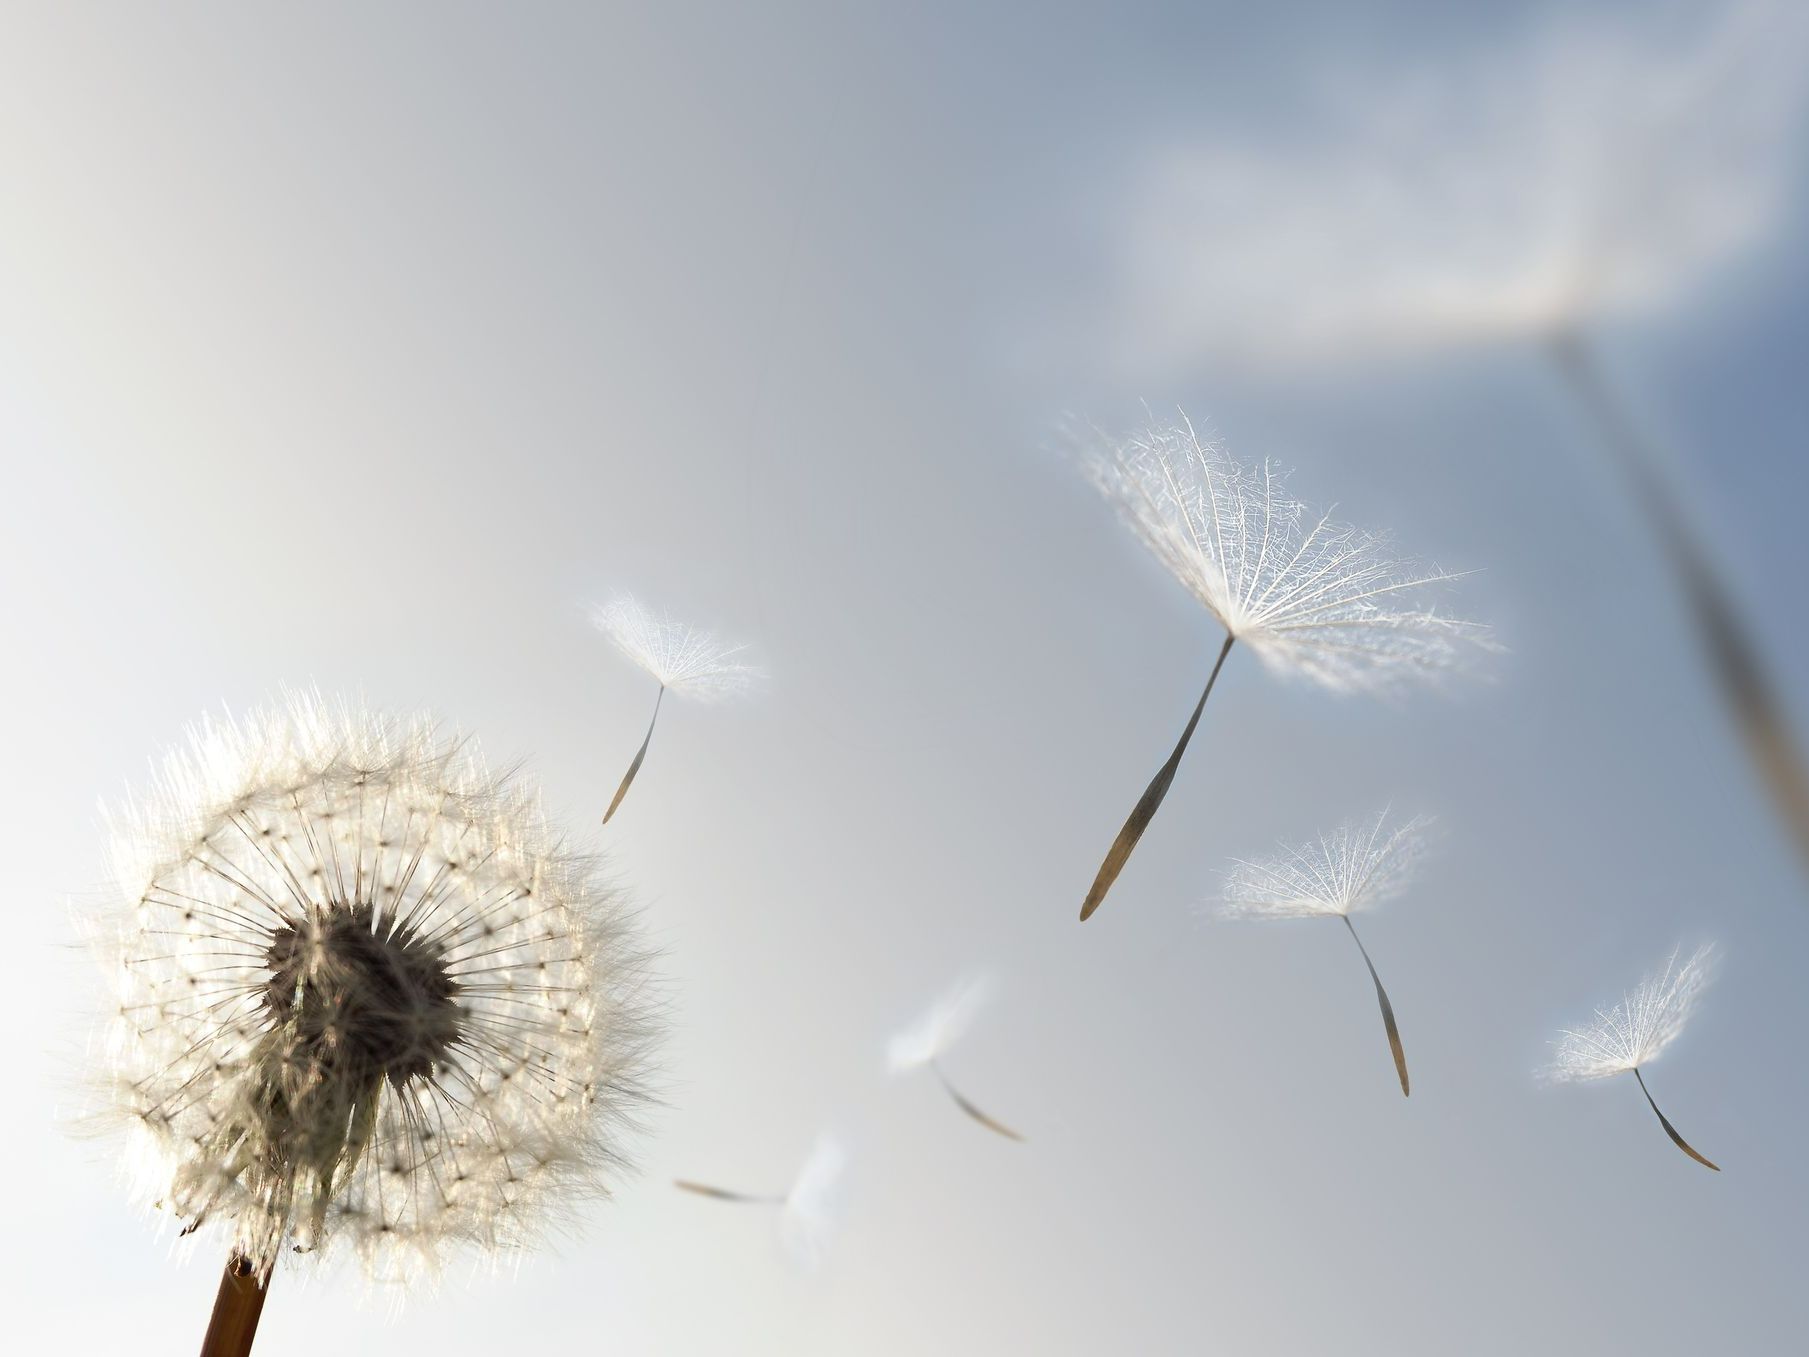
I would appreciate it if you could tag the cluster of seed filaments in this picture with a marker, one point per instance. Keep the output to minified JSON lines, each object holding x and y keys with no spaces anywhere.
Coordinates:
{"x":364,"y":1007}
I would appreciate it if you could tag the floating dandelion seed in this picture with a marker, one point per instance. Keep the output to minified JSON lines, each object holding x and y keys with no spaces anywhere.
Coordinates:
{"x":681,"y":658}
{"x":808,"y":1212}
{"x":927,"y":1040}
{"x":367,"y":1000}
{"x":1636,"y":1031}
{"x":1356,"y":867}
{"x":1309,"y":596}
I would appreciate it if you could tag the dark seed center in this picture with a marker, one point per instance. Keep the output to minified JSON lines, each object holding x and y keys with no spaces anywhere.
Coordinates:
{"x":363,"y":1004}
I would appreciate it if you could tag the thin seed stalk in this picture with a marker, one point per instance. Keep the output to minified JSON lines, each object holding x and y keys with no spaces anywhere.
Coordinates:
{"x":1671,"y":1130}
{"x":237,"y":1308}
{"x":1151,"y":800}
{"x":1394,"y":1032}
{"x":639,"y":756}
{"x":968,"y":1106}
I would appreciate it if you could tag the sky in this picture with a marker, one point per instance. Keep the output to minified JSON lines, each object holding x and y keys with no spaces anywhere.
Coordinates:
{"x":366,"y":348}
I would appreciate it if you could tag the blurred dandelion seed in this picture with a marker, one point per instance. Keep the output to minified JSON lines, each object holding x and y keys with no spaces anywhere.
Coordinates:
{"x":366,"y":998}
{"x":1356,"y":867}
{"x":1636,"y":1031}
{"x":926,"y":1041}
{"x":1587,"y":170}
{"x":1311,"y":597}
{"x":682,"y":658}
{"x":1735,"y":658}
{"x":807,"y":1212}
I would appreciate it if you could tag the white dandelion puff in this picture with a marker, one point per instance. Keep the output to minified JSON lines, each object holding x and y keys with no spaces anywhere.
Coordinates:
{"x":367,"y":1001}
{"x":1312,"y":597}
{"x":1355,"y":867}
{"x":928,"y":1039}
{"x":681,"y":658}
{"x":1635,"y":1032}
{"x":808,"y":1212}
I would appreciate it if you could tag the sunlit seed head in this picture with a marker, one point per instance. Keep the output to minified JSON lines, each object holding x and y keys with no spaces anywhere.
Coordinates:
{"x":1310,"y":596}
{"x":1357,"y":866}
{"x":1636,"y":1031}
{"x":366,"y":998}
{"x":941,"y":1025}
{"x":682,"y":658}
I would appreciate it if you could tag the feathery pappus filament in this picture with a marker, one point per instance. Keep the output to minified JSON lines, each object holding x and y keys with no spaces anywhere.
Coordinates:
{"x":1310,"y":597}
{"x":368,"y":1001}
{"x":683,"y":659}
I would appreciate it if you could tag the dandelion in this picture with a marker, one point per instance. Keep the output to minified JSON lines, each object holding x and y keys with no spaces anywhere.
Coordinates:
{"x":808,"y":1211}
{"x":1636,"y":1031}
{"x":927,"y":1040}
{"x":681,"y":658}
{"x":1311,"y":597}
{"x":1356,"y":867}
{"x":367,"y":1001}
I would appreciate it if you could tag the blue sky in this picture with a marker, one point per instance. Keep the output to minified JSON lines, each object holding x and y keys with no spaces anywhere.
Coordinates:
{"x":366,"y":350}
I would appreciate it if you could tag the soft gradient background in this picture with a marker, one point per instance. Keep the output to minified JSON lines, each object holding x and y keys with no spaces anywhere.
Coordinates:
{"x":363,"y":346}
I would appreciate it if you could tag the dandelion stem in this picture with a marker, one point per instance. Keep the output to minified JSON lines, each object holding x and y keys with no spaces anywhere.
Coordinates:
{"x":990,"y":1123}
{"x":236,"y":1309}
{"x":639,"y":754}
{"x":1151,"y":800}
{"x":1670,"y":1130}
{"x":1733,"y":655}
{"x":1394,"y":1033}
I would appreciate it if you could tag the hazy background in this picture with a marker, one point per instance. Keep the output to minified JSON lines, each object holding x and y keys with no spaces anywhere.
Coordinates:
{"x":364,"y":346}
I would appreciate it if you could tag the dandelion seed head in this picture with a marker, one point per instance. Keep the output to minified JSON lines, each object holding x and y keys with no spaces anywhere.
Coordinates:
{"x":940,"y":1026}
{"x":367,"y":1002}
{"x":808,"y":1220}
{"x":682,"y":658}
{"x":1357,"y":866}
{"x":1637,"y":1030}
{"x":1311,"y":597}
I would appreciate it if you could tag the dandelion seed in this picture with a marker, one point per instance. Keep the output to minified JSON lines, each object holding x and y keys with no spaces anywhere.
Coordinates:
{"x":1636,"y":1031}
{"x":807,"y":1212}
{"x":1735,"y":658}
{"x":366,"y":1001}
{"x":927,"y":1040}
{"x":1311,"y":597}
{"x":1356,"y":867}
{"x":681,"y":658}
